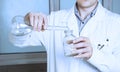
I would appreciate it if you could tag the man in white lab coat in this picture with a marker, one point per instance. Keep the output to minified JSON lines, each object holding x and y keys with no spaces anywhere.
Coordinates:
{"x":96,"y":46}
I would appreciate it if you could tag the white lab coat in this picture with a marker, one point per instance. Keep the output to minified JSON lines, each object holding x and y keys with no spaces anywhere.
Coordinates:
{"x":104,"y":25}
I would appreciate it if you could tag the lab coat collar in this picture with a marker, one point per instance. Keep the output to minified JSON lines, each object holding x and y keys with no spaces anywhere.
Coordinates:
{"x":89,"y":27}
{"x":92,"y":24}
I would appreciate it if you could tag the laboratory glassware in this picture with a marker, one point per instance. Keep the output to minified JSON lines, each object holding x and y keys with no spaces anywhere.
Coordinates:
{"x":20,"y":30}
{"x":68,"y":42}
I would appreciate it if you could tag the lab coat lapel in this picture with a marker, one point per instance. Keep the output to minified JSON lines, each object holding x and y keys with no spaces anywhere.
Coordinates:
{"x":72,"y":23}
{"x":93,"y":23}
{"x":90,"y":27}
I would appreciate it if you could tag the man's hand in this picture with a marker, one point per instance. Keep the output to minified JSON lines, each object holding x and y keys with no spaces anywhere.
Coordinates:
{"x":37,"y":20}
{"x":82,"y":48}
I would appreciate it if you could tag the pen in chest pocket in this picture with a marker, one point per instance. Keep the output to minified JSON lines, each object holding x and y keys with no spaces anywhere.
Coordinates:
{"x":100,"y":46}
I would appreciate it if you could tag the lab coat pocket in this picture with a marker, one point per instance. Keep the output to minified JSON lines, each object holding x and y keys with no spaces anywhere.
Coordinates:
{"x":103,"y":45}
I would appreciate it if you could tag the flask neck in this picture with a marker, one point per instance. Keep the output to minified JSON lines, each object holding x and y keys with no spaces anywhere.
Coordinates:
{"x":68,"y":32}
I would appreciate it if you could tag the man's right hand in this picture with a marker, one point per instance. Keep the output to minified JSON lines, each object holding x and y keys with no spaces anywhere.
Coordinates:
{"x":37,"y":20}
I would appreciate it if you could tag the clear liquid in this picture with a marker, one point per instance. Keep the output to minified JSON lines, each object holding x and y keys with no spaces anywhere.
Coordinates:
{"x":21,"y":30}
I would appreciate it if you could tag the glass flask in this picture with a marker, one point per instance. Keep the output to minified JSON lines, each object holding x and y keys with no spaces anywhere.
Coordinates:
{"x":19,"y":27}
{"x":20,"y":31}
{"x":68,"y":42}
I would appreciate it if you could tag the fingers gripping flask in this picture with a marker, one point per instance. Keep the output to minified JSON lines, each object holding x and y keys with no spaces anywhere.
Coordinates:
{"x":68,"y":42}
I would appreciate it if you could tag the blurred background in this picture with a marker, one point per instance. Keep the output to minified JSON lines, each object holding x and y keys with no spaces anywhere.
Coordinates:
{"x":32,"y":58}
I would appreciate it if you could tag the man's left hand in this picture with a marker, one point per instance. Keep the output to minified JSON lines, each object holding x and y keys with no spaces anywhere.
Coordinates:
{"x":82,"y":48}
